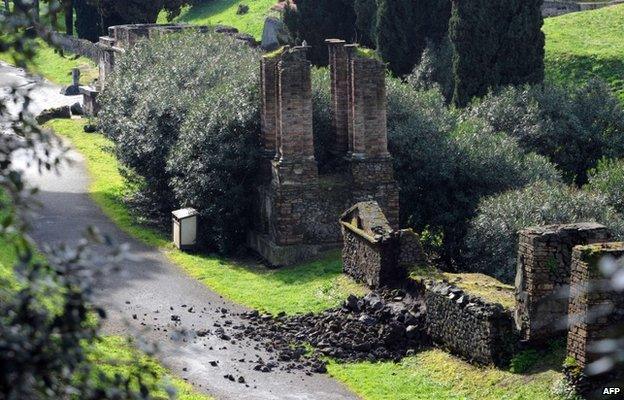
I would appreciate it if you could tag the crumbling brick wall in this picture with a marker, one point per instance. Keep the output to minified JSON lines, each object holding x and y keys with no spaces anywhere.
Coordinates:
{"x":595,"y":308}
{"x":468,"y":326}
{"x":543,"y":276}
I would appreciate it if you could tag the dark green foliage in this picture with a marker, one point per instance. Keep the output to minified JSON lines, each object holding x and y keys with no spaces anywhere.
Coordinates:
{"x":403,"y":28}
{"x":365,"y":21}
{"x":608,"y":179}
{"x":321,"y":118}
{"x":492,"y":239}
{"x":524,"y":361}
{"x":183,"y":111}
{"x":317,"y":20}
{"x":435,"y":69}
{"x":88,"y":21}
{"x":574,"y":127}
{"x":397,"y":34}
{"x":495,"y":42}
{"x":444,"y":167}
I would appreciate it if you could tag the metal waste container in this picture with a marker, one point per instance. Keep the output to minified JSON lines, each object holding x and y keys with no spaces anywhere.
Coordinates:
{"x":185,"y":228}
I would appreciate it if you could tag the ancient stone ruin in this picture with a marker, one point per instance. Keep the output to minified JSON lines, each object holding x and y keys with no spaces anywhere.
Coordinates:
{"x":559,"y":290}
{"x":296,"y":207}
{"x":595,"y":311}
{"x":543,"y":276}
{"x":373,"y":252}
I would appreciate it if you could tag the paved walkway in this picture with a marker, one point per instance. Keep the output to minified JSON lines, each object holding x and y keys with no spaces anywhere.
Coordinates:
{"x":141,"y":300}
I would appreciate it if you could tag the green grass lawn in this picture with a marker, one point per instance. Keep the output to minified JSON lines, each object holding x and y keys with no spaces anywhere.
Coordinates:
{"x":116,"y":355}
{"x":56,"y":68}
{"x":587,"y":44}
{"x":434,"y":374}
{"x":311,"y":287}
{"x":214,"y":12}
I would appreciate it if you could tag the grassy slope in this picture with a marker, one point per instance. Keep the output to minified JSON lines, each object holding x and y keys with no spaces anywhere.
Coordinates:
{"x":587,"y":44}
{"x":434,"y":374}
{"x":223,"y":12}
{"x":55,"y":68}
{"x":306,"y":288}
{"x":115,"y":355}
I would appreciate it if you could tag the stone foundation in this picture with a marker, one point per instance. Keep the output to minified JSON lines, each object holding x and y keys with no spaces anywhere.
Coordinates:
{"x":543,"y":276}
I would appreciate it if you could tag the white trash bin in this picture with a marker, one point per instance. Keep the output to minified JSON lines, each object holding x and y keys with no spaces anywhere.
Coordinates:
{"x":185,"y":228}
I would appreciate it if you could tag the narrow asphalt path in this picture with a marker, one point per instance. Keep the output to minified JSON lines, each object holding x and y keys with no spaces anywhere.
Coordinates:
{"x":141,"y":300}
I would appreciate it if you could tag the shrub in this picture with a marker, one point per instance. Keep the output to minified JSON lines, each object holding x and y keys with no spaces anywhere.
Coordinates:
{"x":574,"y":127}
{"x":183,"y":110}
{"x":492,"y":239}
{"x":495,"y":43}
{"x":444,"y":168}
{"x":435,"y":69}
{"x":608,"y":179}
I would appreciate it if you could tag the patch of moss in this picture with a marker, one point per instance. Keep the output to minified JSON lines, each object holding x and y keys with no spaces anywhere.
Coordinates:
{"x":484,"y":286}
{"x":275,"y":53}
{"x":367,"y":53}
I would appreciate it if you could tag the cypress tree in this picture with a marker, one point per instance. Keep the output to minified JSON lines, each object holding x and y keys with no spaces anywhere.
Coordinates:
{"x":88,"y":21}
{"x":495,"y":42}
{"x":317,"y":20}
{"x":398,"y":35}
{"x":365,"y":21}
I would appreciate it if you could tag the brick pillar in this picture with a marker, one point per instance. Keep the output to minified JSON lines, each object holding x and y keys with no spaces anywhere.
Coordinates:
{"x":295,"y":162}
{"x":294,"y":169}
{"x":338,"y":68}
{"x":591,"y":293}
{"x":268,"y":115}
{"x":543,"y":276}
{"x":370,"y":163}
{"x":106,"y":63}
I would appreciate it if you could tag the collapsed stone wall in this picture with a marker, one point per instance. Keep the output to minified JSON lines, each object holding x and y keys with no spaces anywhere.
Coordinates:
{"x":468,"y":326}
{"x":543,"y":276}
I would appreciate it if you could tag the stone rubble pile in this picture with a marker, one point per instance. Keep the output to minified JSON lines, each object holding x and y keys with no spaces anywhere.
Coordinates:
{"x":387,"y":325}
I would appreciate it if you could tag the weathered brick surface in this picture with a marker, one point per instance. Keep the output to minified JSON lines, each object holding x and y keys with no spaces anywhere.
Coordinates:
{"x":595,"y":308}
{"x":543,"y":276}
{"x":296,"y":206}
{"x":339,"y":71}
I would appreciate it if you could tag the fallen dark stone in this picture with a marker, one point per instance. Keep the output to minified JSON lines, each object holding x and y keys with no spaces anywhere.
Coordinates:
{"x":54,"y":113}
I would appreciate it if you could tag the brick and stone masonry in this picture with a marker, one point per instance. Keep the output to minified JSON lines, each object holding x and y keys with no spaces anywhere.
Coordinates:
{"x":296,"y":209}
{"x":372,"y":252}
{"x":595,"y":309}
{"x":543,"y":276}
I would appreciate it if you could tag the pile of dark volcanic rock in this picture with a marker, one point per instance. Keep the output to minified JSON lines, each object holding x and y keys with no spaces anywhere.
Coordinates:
{"x":384,"y":325}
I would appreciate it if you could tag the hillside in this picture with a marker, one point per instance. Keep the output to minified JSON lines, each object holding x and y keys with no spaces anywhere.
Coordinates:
{"x":587,"y":44}
{"x":215,"y":12}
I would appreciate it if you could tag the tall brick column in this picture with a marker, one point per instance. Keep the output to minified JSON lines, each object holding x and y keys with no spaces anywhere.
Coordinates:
{"x":294,"y":163}
{"x":543,"y":276}
{"x":339,"y":72}
{"x":371,"y":165}
{"x":295,"y":171}
{"x":268,"y":115}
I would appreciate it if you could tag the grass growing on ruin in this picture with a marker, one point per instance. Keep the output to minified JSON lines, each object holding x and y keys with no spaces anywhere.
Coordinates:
{"x":223,"y":12}
{"x":434,"y":374}
{"x":484,"y":286}
{"x":56,"y":68}
{"x":587,"y":44}
{"x":311,"y":287}
{"x":116,"y":355}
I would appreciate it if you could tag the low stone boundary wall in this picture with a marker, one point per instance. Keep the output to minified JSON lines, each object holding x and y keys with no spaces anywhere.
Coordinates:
{"x":77,"y":46}
{"x":553,"y":8}
{"x":467,"y":325}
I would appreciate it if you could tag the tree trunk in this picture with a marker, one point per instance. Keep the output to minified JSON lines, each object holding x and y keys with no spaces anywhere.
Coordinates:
{"x":36,"y":10}
{"x":69,"y":17}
